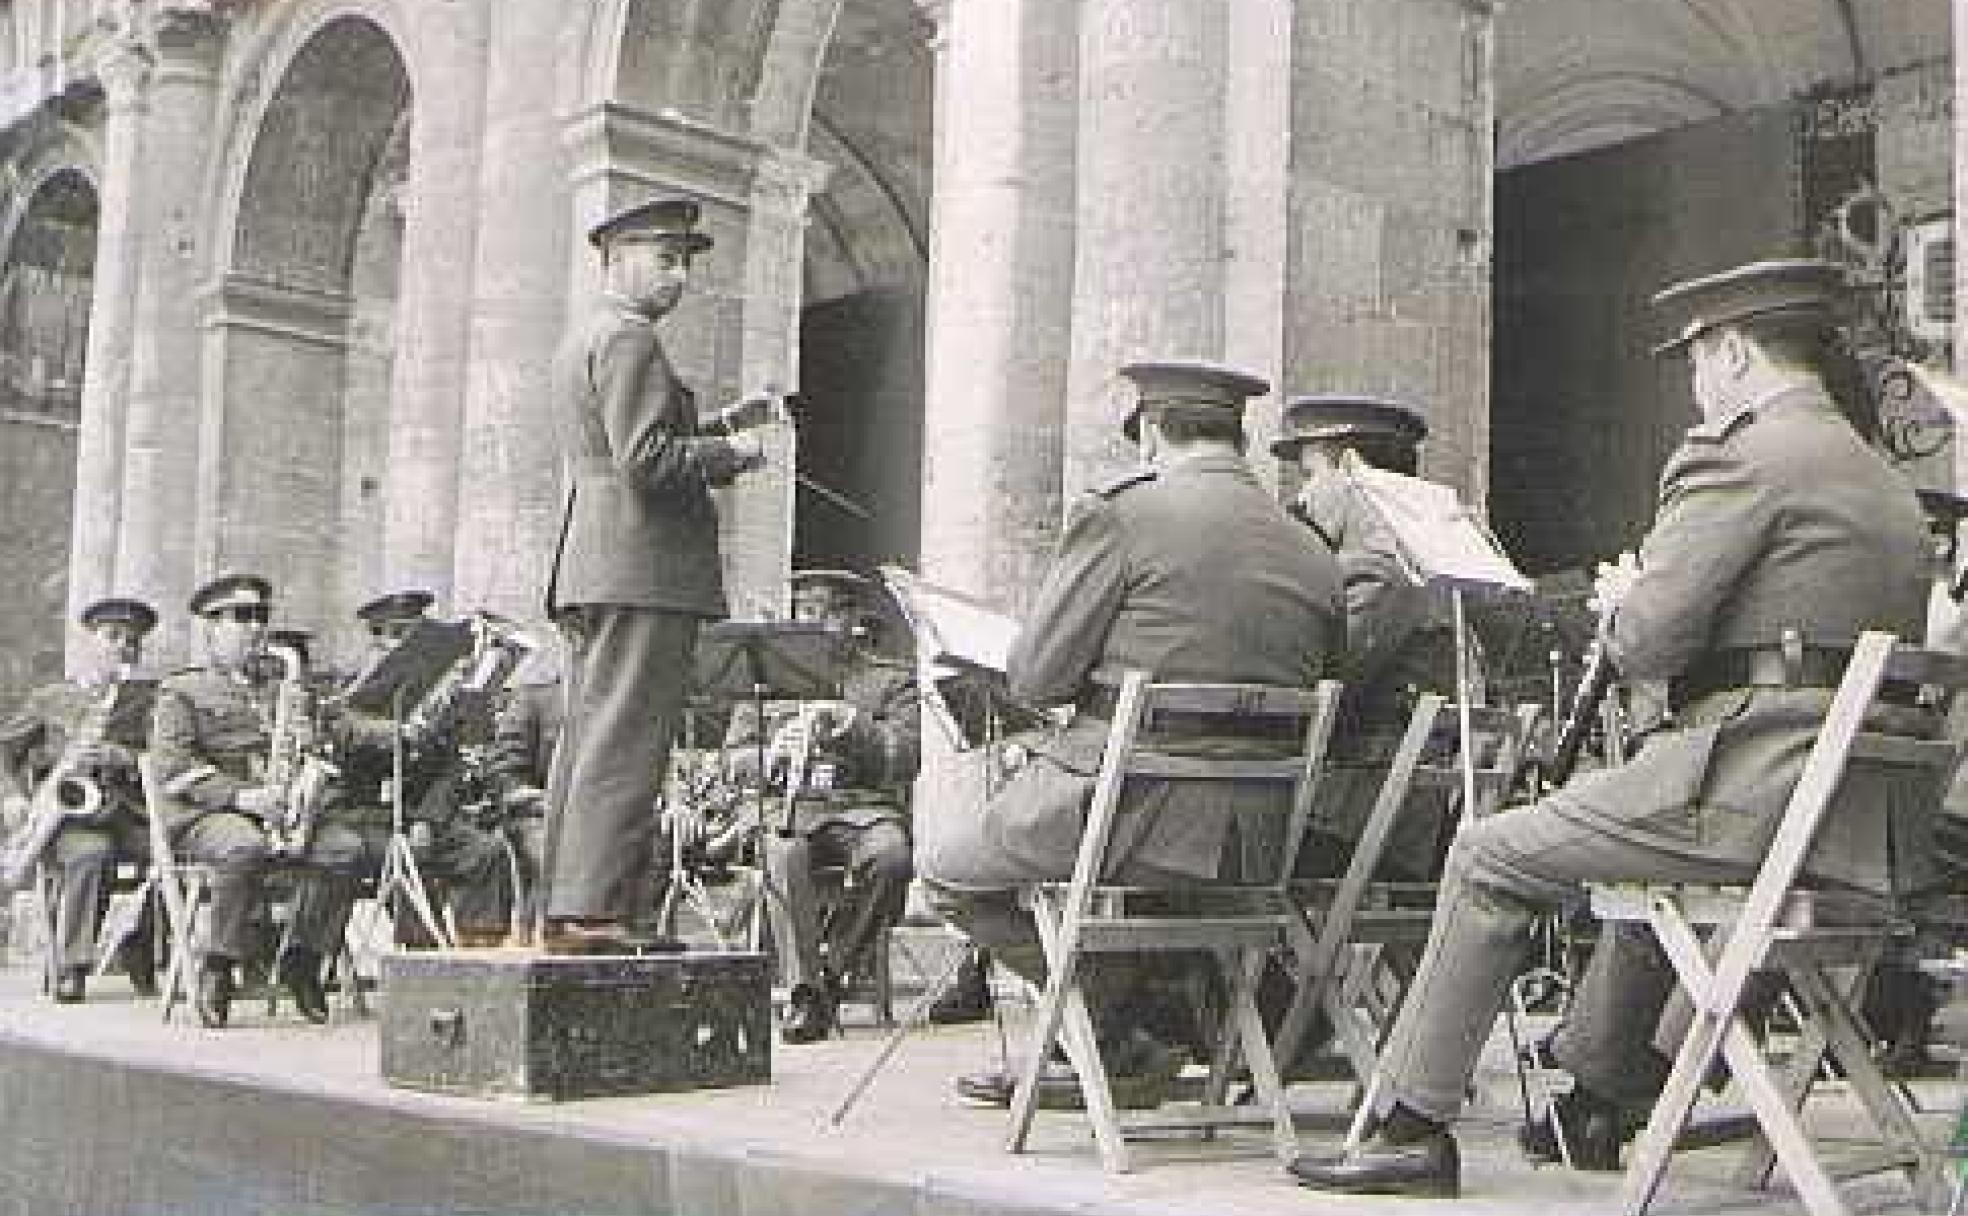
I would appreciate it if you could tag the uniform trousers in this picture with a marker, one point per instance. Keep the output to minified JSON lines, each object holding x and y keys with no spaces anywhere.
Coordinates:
{"x":627,"y":674}
{"x":236,"y":848}
{"x":1503,"y":872}
{"x":84,"y":858}
{"x":876,"y":858}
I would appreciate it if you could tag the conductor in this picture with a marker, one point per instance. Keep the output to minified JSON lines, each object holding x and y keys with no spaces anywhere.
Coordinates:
{"x":636,"y":569}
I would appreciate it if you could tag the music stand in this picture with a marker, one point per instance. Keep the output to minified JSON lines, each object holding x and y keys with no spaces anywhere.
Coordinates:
{"x":404,"y":677}
{"x":756,"y":662}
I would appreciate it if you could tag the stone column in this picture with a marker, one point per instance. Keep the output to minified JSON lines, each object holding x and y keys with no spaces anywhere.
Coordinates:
{"x":999,"y":309}
{"x":155,"y":556}
{"x":758,"y":514}
{"x":508,"y":488}
{"x":433,"y":318}
{"x":125,"y":74}
{"x":1388,"y":286}
{"x":1154,"y":145}
{"x":998,"y":322}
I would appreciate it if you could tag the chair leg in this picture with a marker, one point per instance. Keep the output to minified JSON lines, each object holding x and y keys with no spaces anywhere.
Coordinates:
{"x":1883,"y":1103}
{"x":1257,"y":1053}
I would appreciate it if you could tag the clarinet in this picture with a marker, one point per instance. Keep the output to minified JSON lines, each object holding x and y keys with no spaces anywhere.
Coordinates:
{"x":1593,"y":685}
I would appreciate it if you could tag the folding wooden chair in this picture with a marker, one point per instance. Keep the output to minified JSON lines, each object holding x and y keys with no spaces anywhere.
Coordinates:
{"x":1347,"y":925}
{"x":1775,"y":923}
{"x":181,"y":887}
{"x":1240,"y":922}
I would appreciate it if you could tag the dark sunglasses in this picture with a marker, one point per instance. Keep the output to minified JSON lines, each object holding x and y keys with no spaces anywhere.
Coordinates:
{"x":248,"y":614}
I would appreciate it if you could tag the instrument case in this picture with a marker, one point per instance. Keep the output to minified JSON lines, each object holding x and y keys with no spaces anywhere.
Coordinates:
{"x":539,"y":1027}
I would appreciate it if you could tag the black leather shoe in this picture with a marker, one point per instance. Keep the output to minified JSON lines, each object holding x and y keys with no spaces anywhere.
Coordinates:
{"x":967,"y":999}
{"x":1427,"y":1166}
{"x":1059,"y":1086}
{"x":71,"y":985}
{"x":810,"y":1015}
{"x":300,"y":974}
{"x":586,"y":937}
{"x":1594,"y":1131}
{"x":213,"y":1000}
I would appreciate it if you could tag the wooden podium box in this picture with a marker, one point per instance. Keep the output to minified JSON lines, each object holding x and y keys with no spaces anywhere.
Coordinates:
{"x":538,"y":1027}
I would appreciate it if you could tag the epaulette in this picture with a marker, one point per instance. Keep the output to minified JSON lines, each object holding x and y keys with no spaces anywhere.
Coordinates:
{"x":1715,"y":430}
{"x":1125,"y":481}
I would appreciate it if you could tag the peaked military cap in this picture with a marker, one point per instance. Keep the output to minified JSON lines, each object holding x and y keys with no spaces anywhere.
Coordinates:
{"x":1340,"y":415}
{"x":1793,"y":286}
{"x":229,"y":591}
{"x":395,"y":606}
{"x":120,"y":610}
{"x":663,"y":219}
{"x":1196,"y":387}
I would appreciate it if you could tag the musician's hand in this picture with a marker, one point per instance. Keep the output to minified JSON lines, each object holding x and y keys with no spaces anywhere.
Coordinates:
{"x":1614,"y":579}
{"x":833,"y":719}
{"x":685,"y":821}
{"x":524,"y":797}
{"x":100,"y":754}
{"x":14,"y":810}
{"x":258,"y":801}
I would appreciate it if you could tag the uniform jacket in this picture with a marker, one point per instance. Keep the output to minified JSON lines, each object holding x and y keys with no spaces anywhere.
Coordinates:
{"x":1777,"y":518}
{"x":208,"y":735}
{"x":871,"y":765}
{"x":1192,"y":572}
{"x":638,"y":527}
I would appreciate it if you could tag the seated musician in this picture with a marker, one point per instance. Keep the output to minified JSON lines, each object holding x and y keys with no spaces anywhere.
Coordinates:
{"x":463,"y":864}
{"x":213,"y":732}
{"x":853,"y":760}
{"x":524,"y":735}
{"x":1774,"y":517}
{"x":1186,"y":568}
{"x":1400,"y":638}
{"x":86,"y":734}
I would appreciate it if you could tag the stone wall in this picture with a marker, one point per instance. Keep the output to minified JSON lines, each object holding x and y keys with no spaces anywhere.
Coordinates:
{"x":37,"y":486}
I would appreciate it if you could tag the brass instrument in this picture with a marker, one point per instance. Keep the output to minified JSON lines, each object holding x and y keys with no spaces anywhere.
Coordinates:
{"x":69,"y":791}
{"x":296,"y":764}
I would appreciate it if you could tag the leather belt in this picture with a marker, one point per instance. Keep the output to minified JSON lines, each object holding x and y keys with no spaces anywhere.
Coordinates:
{"x":1100,"y":702}
{"x":1772,"y":667}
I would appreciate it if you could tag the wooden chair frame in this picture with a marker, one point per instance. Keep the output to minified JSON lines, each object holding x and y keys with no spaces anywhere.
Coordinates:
{"x":1086,"y":916}
{"x":1775,"y":923}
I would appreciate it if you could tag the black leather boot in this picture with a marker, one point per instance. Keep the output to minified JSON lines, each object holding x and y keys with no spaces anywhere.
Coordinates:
{"x":1408,"y":1155}
{"x":300,"y":974}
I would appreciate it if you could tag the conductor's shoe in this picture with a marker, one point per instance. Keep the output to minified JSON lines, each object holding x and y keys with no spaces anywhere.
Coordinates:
{"x":1594,"y":1131}
{"x":71,"y":985}
{"x":585,"y":937}
{"x":300,"y":974}
{"x":1428,"y":1165}
{"x":810,"y":1015}
{"x":213,"y":1000}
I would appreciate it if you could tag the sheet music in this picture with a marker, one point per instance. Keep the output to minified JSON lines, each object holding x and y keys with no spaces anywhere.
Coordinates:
{"x":1441,"y":540}
{"x":951,"y":627}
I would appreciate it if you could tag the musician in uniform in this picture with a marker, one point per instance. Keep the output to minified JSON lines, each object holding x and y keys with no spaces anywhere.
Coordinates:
{"x":1400,"y":637}
{"x":465,"y":865}
{"x":853,"y":760}
{"x":524,"y":735}
{"x":211,"y":734}
{"x":635,"y":571}
{"x":1775,"y":520}
{"x":90,"y":729}
{"x":1186,"y":568}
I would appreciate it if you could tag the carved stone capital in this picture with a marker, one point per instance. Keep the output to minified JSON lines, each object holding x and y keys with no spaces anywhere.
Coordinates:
{"x":785,"y":180}
{"x":124,"y":66}
{"x":664,"y":149}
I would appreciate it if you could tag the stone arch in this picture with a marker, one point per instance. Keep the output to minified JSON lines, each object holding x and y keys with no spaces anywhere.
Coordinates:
{"x":47,"y":269}
{"x":297,"y":411}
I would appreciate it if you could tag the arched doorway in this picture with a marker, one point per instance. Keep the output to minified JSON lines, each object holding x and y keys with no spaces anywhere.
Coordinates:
{"x":295,"y":484}
{"x":46,"y":285}
{"x":861,"y":324}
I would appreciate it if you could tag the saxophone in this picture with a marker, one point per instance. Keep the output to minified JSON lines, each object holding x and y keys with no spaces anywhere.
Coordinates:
{"x":69,"y":791}
{"x":296,"y":763}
